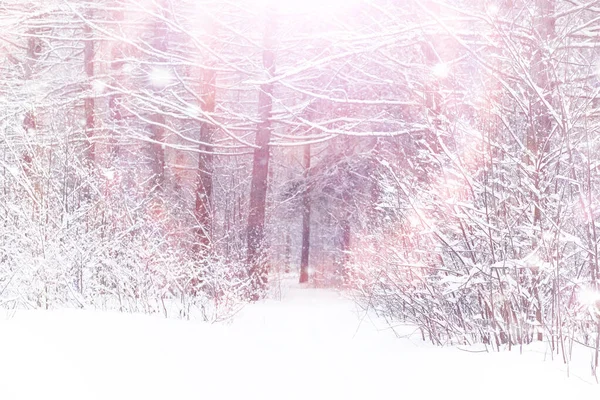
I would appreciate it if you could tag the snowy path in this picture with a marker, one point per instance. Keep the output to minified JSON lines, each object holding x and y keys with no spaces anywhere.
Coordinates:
{"x":307,"y":346}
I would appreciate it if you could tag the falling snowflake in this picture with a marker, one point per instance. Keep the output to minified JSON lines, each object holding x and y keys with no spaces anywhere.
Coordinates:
{"x":109,"y":174}
{"x":441,"y":70}
{"x":589,"y":296}
{"x":160,"y":77}
{"x":98,"y":87}
{"x":493,"y":10}
{"x":14,"y":170}
{"x":128,"y":68}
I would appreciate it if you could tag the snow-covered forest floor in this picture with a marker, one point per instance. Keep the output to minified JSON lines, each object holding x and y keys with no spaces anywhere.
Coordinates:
{"x":309,"y":343}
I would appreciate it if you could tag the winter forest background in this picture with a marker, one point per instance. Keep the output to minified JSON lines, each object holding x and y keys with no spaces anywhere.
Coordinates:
{"x":438,"y":158}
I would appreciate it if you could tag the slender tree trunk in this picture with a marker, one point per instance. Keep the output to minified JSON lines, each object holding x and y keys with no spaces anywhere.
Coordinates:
{"x":306,"y":206}
{"x":114,"y":101}
{"x":157,"y":130}
{"x":258,"y":269}
{"x":203,"y":208}
{"x":346,"y":232}
{"x":288,"y":251}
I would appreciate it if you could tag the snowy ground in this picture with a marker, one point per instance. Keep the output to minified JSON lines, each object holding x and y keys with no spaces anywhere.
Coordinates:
{"x":310,"y":345}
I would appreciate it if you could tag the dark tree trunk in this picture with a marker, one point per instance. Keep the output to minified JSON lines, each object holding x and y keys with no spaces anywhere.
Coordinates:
{"x":157,"y":150}
{"x":157,"y":128}
{"x":117,"y":54}
{"x":346,"y":207}
{"x":258,"y":269}
{"x":203,"y":209}
{"x":306,"y":206}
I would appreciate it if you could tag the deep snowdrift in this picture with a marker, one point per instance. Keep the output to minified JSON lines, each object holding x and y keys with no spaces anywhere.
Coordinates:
{"x":310,"y":345}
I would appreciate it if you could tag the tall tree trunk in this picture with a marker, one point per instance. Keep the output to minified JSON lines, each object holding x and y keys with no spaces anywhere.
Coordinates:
{"x":306,"y":206}
{"x":157,"y":150}
{"x":117,"y":54}
{"x":203,"y":208}
{"x":157,"y":130}
{"x":258,"y":269}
